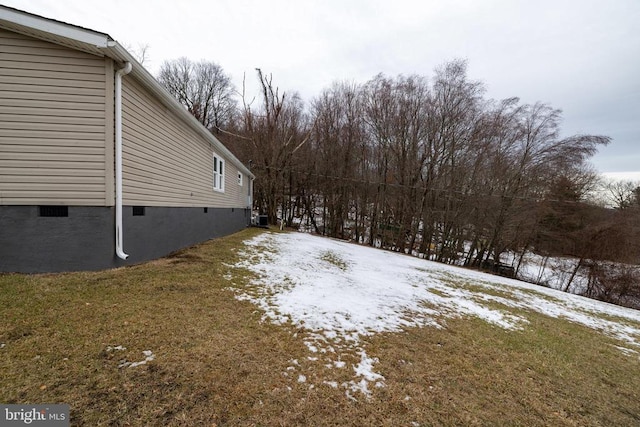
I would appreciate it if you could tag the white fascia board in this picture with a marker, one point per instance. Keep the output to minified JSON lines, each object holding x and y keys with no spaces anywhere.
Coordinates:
{"x":60,"y":29}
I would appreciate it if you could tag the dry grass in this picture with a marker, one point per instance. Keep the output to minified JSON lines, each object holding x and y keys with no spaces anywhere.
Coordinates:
{"x":216,"y":363}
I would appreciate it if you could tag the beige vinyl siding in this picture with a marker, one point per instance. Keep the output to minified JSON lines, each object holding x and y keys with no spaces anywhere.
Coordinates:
{"x":165,"y":161}
{"x":53,"y":124}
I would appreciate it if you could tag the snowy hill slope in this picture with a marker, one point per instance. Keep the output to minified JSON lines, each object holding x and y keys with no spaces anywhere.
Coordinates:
{"x":341,"y":293}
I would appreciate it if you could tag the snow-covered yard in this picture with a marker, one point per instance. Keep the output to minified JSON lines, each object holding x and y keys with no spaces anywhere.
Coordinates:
{"x":553,"y":272}
{"x":340,"y":293}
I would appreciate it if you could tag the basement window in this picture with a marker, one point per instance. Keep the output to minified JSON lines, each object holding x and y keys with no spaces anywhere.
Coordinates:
{"x":138,"y":210}
{"x":53,"y":211}
{"x":206,"y":210}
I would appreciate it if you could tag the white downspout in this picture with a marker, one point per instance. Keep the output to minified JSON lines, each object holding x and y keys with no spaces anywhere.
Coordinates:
{"x":118,"y":101}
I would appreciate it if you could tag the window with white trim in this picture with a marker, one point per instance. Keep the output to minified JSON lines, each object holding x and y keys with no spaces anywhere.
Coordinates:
{"x":218,"y":173}
{"x":240,"y":178}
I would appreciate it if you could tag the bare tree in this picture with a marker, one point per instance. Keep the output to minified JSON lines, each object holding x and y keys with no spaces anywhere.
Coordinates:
{"x":270,"y":135}
{"x":534,"y":157}
{"x":203,"y":88}
{"x":622,"y":194}
{"x":336,"y":139}
{"x":435,"y":169}
{"x":396,"y":112}
{"x":141,"y":52}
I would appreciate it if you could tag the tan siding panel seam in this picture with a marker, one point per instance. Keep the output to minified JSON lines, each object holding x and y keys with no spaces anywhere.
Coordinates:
{"x":51,"y":88}
{"x":52,"y":81}
{"x":52,"y":149}
{"x":22,"y":48}
{"x":46,"y":179}
{"x":17,"y":113}
{"x":61,"y":194}
{"x":55,"y":97}
{"x":51,"y":164}
{"x":67,"y":119}
{"x":25,"y":65}
{"x":92,"y":143}
{"x":46,"y":74}
{"x":36,"y":58}
{"x":42,"y":106}
{"x":50,"y":172}
{"x":25,"y":133}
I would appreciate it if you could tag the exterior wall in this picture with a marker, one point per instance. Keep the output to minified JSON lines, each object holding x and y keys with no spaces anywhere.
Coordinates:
{"x":57,"y":148}
{"x":54,"y":122}
{"x":164,"y":230}
{"x":85,"y":239}
{"x":166,"y":162}
{"x":33,"y":244}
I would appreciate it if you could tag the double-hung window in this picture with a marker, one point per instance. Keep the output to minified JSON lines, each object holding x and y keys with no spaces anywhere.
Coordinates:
{"x":218,"y":173}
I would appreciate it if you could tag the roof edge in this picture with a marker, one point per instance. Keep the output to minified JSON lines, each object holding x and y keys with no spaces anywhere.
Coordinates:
{"x":120,"y":54}
{"x":58,"y":28}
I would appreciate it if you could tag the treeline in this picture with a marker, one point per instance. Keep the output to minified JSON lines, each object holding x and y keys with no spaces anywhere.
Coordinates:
{"x":426,"y":166}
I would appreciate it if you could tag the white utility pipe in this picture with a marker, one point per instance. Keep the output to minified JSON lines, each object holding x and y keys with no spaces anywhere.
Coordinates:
{"x":118,"y":101}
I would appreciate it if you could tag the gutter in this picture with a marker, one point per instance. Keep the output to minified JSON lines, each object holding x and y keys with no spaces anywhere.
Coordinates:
{"x":118,"y":119}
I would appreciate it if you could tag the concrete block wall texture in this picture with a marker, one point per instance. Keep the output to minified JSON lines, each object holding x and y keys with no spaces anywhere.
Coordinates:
{"x":85,"y":239}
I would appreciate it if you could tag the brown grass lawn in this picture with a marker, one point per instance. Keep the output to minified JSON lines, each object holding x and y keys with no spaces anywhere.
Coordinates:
{"x":217,"y":364}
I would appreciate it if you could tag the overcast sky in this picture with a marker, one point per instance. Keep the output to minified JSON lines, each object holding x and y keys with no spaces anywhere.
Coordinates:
{"x":582,"y":56}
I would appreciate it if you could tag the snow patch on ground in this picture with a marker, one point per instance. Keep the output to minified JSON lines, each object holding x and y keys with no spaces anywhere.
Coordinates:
{"x":552,"y":272}
{"x":149,"y":356}
{"x":364,"y":370}
{"x":627,"y":351}
{"x":341,"y":293}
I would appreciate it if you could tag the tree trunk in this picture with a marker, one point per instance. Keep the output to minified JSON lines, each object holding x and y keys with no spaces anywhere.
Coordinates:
{"x":573,"y":275}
